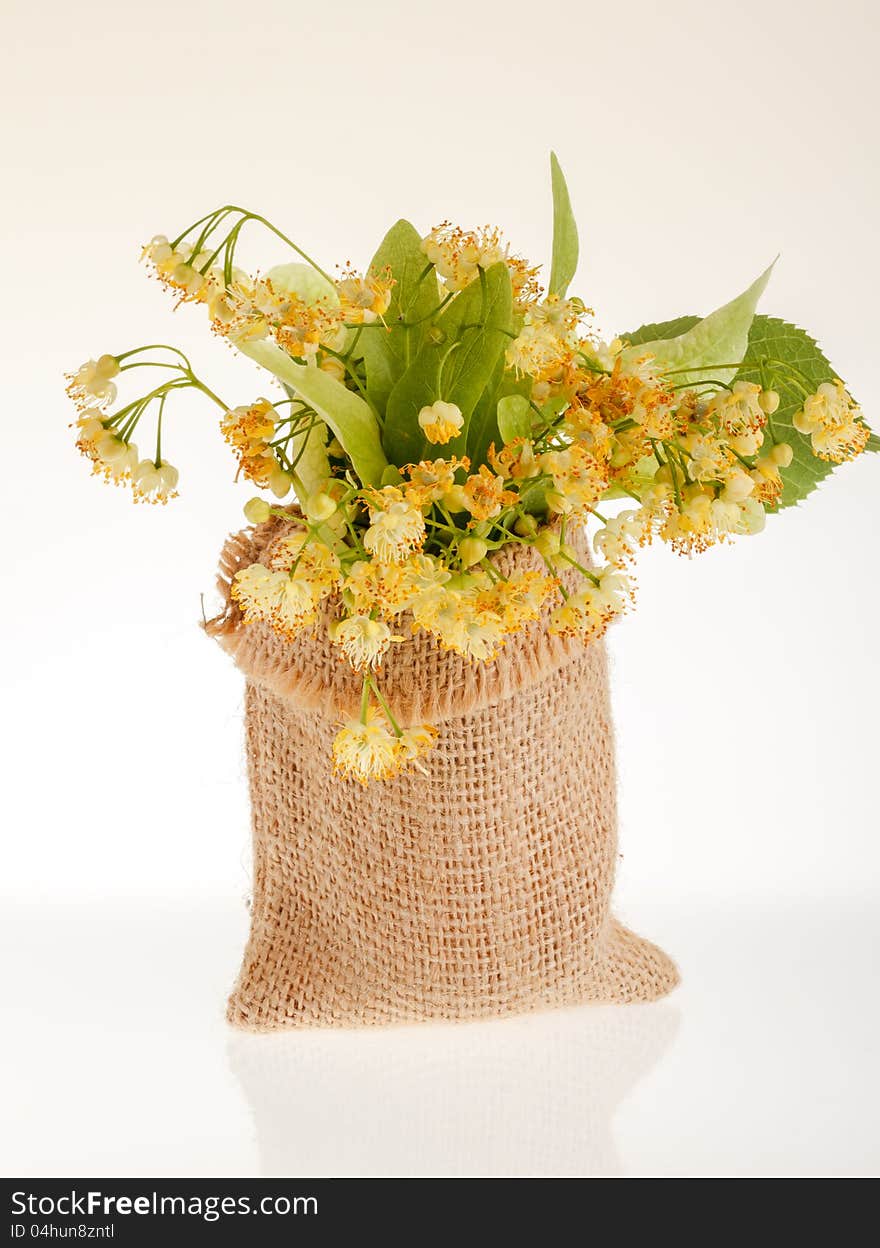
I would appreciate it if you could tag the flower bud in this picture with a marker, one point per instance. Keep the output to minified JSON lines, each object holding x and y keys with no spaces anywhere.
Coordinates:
{"x":768,"y":400}
{"x":547,"y":543}
{"x":279,"y":482}
{"x":526,"y":526}
{"x":782,"y":455}
{"x":257,"y":510}
{"x":471,"y":551}
{"x":320,"y":507}
{"x":455,"y":499}
{"x":737,"y":487}
{"x":332,"y":366}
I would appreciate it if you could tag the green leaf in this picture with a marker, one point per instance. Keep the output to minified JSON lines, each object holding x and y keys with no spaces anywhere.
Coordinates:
{"x":483,"y":426}
{"x":720,"y":338}
{"x":873,"y":443}
{"x":387,"y":352}
{"x":460,"y":359}
{"x":350,"y":418}
{"x":774,"y":339}
{"x":514,"y":418}
{"x":483,"y":430}
{"x":304,"y":281}
{"x":565,"y":235}
{"x":661,"y":329}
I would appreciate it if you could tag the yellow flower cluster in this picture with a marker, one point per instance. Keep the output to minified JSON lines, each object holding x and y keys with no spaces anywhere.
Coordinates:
{"x":833,"y":423}
{"x":250,"y":432}
{"x":111,"y":452}
{"x":304,"y":323}
{"x":458,"y":256}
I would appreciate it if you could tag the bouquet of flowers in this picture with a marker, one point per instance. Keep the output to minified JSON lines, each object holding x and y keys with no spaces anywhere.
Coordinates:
{"x":443,"y":405}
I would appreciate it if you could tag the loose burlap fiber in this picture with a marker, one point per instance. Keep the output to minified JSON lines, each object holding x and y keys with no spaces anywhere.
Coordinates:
{"x":478,"y":887}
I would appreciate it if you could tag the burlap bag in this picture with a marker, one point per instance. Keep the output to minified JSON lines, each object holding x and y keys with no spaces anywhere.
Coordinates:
{"x":480,"y":888}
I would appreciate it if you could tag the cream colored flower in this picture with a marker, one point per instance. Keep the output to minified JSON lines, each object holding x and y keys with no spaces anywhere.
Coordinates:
{"x":455,"y":618}
{"x":363,"y":640}
{"x":368,"y":750}
{"x":484,"y":494}
{"x":364,"y":299}
{"x":415,"y":742}
{"x":302,"y":554}
{"x":154,"y":483}
{"x":93,"y":381}
{"x":833,"y":423}
{"x":617,"y":540}
{"x":588,"y":613}
{"x":739,"y":410}
{"x":396,"y":527}
{"x":285,"y":602}
{"x":112,"y":458}
{"x":428,"y":481}
{"x":458,"y":255}
{"x":441,"y":422}
{"x":579,"y":480}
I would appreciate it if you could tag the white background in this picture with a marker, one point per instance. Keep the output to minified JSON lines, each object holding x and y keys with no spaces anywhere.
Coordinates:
{"x":698,"y":143}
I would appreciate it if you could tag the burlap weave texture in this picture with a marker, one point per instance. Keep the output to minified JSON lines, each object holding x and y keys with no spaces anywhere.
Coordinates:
{"x":478,"y":887}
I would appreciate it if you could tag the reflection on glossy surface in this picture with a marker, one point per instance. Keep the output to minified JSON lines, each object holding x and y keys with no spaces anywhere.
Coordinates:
{"x":521,"y":1096}
{"x":115,"y":1058}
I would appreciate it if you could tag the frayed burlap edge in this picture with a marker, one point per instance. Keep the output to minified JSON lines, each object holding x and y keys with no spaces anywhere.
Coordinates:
{"x":424,"y":683}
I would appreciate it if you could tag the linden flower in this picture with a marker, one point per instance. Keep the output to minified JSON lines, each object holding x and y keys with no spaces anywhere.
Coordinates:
{"x":300,"y":554}
{"x":739,"y":410}
{"x":709,"y":460}
{"x":766,"y":479}
{"x":397,"y":528}
{"x":455,"y":618}
{"x":459,"y":254}
{"x":617,"y":540}
{"x":578,"y":479}
{"x":588,"y":429}
{"x":154,"y":482}
{"x":627,"y":395}
{"x":249,"y":431}
{"x":441,"y":422}
{"x":588,"y":613}
{"x":516,"y":460}
{"x":363,"y":640}
{"x":367,"y":750}
{"x":306,"y":327}
{"x":548,"y":341}
{"x":691,"y":529}
{"x":539,"y":351}
{"x":752,"y":517}
{"x":738,"y":485}
{"x":430,"y":480}
{"x":364,"y":299}
{"x":111,"y":457}
{"x":390,"y":589}
{"x":414,"y":742}
{"x":94,"y":381}
{"x":833,"y":423}
{"x":285,"y":602}
{"x":485,"y":496}
{"x":519,"y":598}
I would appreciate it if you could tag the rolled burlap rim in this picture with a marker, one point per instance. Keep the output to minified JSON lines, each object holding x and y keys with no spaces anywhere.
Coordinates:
{"x":423,"y":682}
